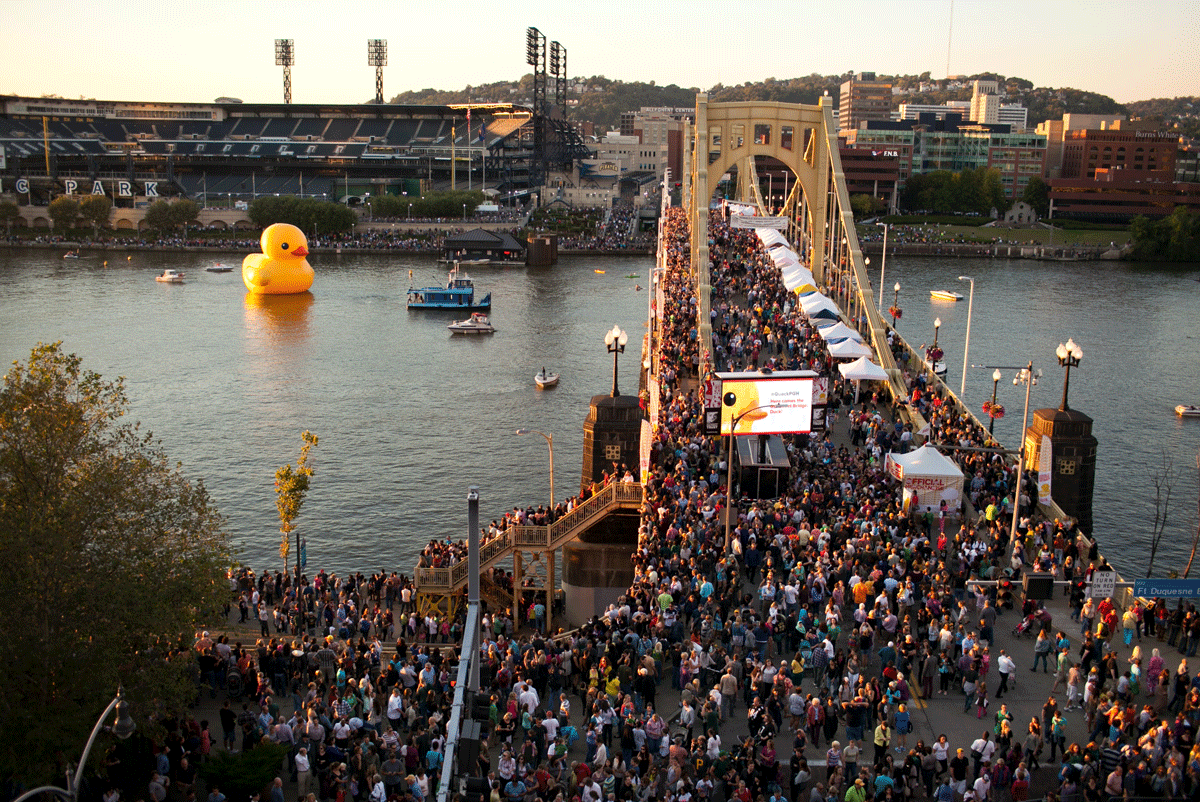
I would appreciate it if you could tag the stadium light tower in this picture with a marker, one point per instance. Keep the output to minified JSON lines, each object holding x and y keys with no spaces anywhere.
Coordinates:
{"x":285,"y":56}
{"x":377,"y":58}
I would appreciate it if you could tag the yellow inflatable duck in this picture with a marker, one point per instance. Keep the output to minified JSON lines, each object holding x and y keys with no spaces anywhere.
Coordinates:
{"x":281,"y":268}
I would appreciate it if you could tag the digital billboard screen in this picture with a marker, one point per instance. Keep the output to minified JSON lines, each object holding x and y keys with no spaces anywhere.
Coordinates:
{"x":767,"y":403}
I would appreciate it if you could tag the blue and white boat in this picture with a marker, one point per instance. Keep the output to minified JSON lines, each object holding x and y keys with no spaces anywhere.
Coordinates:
{"x":459,"y":293}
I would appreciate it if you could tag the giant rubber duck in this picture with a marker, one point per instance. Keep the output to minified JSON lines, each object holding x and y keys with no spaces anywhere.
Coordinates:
{"x":281,"y":268}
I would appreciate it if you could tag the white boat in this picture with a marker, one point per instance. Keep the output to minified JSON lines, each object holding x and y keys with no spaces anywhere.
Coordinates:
{"x":219,"y":268}
{"x":72,"y":255}
{"x":477,"y":323}
{"x":170,"y":277}
{"x":1187,"y":411}
{"x":544,"y":379}
{"x":945,"y":295}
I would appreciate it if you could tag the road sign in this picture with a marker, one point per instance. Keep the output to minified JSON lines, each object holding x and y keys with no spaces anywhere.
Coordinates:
{"x":1103,"y":585}
{"x":1167,"y":588}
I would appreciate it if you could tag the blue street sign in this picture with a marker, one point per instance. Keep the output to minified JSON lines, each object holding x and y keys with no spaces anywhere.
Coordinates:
{"x":1167,"y":588}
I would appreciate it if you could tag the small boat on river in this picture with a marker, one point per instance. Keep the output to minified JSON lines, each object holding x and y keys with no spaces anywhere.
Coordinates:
{"x":219,"y":268}
{"x":169,"y":276}
{"x":1187,"y":411}
{"x":544,"y":379}
{"x":477,"y":323}
{"x":945,"y":295}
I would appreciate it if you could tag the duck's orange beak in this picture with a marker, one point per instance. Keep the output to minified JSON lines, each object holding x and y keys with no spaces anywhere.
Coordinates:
{"x":300,"y":251}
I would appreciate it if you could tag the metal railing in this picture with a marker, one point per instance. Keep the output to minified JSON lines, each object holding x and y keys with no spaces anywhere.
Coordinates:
{"x":450,"y":578}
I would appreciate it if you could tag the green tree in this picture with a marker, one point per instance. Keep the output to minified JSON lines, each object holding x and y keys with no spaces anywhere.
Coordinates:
{"x":183,"y":212}
{"x":1037,"y":195}
{"x":291,"y":486}
{"x":64,"y":211}
{"x":158,"y":216}
{"x":9,"y":212}
{"x":864,"y":205}
{"x":113,"y":558}
{"x":95,"y":210}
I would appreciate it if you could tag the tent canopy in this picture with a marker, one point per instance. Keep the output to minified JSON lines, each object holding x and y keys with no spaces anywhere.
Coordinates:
{"x":839,"y":331}
{"x":929,"y":478}
{"x":862,"y":369}
{"x":849,"y":349}
{"x":770,"y":236}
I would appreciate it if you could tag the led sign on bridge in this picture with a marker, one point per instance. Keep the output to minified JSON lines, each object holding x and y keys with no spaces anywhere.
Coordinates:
{"x":767,"y":403}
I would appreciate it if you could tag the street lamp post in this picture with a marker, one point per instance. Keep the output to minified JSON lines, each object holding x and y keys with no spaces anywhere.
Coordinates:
{"x":895,"y":302}
{"x":464,"y":212}
{"x":962,"y":388}
{"x":937,"y":324}
{"x":615,"y":342}
{"x":550,"y":444}
{"x":996,"y":376}
{"x":1027,"y":377}
{"x":729,"y":399}
{"x":123,"y":727}
{"x":1069,"y":356}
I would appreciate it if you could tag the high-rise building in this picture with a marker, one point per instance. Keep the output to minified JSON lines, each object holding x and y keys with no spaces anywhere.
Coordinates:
{"x":985,"y":102}
{"x":863,"y":98}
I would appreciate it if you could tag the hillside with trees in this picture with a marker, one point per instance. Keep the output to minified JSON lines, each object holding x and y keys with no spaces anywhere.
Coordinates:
{"x":601,"y":100}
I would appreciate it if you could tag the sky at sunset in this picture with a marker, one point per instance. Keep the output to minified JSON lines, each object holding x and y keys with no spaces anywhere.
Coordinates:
{"x":176,"y":50}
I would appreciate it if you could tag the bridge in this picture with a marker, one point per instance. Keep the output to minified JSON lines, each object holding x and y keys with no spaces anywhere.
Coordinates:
{"x":744,"y":138}
{"x":533,"y":549}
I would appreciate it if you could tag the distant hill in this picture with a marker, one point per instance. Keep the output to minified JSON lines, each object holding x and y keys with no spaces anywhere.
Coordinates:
{"x":601,"y":100}
{"x":1175,"y":112}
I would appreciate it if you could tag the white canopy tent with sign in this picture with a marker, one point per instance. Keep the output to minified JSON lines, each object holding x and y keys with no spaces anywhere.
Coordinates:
{"x":816,"y":302}
{"x":770,"y":237}
{"x":928,"y":478}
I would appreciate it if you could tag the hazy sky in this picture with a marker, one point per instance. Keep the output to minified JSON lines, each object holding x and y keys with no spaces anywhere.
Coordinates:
{"x":172,"y":50}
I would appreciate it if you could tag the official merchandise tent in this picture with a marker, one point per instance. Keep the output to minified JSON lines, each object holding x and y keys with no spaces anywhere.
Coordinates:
{"x":928,"y":478}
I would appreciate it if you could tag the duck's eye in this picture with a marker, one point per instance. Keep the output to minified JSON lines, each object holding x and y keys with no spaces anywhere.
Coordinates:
{"x":284,"y":246}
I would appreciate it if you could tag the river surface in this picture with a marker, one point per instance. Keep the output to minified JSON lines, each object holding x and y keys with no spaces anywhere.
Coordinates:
{"x":410,"y":417}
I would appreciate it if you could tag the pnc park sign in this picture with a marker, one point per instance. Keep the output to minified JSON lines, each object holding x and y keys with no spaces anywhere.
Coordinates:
{"x":120,"y":188}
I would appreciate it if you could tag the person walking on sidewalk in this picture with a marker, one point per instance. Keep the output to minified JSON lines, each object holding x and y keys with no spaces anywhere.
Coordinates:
{"x":1041,"y":652}
{"x":1006,"y":666}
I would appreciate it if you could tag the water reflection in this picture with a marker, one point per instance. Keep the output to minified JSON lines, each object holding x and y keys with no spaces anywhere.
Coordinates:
{"x":280,"y":318}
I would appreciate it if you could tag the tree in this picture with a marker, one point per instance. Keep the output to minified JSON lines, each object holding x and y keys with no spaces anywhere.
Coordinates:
{"x":1037,"y":195}
{"x":64,"y":211}
{"x":1164,"y":482}
{"x":183,"y":212}
{"x":865,"y":205}
{"x":95,"y":210}
{"x":113,"y":557}
{"x":9,"y":212}
{"x":291,"y":486}
{"x":158,"y":216}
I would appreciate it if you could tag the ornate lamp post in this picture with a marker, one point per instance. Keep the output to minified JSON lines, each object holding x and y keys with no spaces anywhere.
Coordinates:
{"x":1069,"y":356}
{"x":996,"y":376}
{"x":123,"y":727}
{"x":937,"y":324}
{"x":895,"y":310}
{"x":615,"y":342}
{"x":550,"y":444}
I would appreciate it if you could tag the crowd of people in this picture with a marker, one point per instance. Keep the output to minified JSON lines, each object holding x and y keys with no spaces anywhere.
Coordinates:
{"x":807,"y":616}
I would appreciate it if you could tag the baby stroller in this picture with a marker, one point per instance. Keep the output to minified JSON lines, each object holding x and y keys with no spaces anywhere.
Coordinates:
{"x":1033,"y":623}
{"x":234,"y":685}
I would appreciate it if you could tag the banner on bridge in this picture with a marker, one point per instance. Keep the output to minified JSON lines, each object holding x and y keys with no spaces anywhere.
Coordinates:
{"x":742,"y":221}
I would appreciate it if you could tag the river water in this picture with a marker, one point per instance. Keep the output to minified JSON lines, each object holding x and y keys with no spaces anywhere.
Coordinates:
{"x":410,"y":417}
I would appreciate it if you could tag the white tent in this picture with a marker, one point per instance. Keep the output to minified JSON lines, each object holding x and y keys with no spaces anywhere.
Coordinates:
{"x":839,"y":331}
{"x":770,"y":236}
{"x":797,"y":276}
{"x":816,"y":302}
{"x":784,"y":257}
{"x":862,"y":369}
{"x":849,"y":349}
{"x":928,"y":478}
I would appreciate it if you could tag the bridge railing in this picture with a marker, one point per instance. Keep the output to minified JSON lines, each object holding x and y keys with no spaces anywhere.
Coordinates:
{"x":537,"y":538}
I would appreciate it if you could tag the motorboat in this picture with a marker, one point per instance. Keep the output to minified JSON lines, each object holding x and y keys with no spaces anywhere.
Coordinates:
{"x":459,"y":293}
{"x":477,"y":323}
{"x":72,"y":255}
{"x":170,"y":277}
{"x":219,"y":268}
{"x":1187,"y":411}
{"x":945,"y":295}
{"x":544,"y":379}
